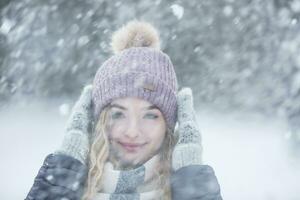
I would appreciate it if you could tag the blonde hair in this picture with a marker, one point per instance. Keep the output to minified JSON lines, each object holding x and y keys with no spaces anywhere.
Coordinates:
{"x":99,"y":153}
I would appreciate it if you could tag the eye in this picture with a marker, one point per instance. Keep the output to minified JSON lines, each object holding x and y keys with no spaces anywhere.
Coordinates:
{"x":116,"y":115}
{"x":151,"y":116}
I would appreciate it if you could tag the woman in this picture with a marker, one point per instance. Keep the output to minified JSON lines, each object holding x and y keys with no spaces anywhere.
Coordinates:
{"x":121,"y":141}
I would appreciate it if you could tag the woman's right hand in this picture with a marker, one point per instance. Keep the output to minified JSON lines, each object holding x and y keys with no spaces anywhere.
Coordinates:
{"x":76,"y":139}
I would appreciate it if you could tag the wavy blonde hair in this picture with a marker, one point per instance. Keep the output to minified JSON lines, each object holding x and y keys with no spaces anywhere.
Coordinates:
{"x":99,"y":153}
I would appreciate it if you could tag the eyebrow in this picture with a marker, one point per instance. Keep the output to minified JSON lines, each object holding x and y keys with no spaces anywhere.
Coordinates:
{"x":123,"y":108}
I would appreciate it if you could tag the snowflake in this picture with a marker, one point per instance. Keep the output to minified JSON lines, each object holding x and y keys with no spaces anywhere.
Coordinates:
{"x":83,"y":40}
{"x":177,"y":10}
{"x":227,"y":11}
{"x":6,"y":26}
{"x":64,"y":109}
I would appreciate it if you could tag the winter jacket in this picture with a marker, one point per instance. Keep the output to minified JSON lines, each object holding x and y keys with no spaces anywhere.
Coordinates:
{"x":62,"y":177}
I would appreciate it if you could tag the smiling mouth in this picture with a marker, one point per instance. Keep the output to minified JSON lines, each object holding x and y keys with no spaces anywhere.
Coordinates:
{"x":131,"y":147}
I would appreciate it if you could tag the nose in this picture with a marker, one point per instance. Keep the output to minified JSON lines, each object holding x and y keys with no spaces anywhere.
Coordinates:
{"x":132,"y":130}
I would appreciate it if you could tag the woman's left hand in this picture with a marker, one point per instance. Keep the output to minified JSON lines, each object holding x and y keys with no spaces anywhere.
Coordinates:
{"x":188,"y":150}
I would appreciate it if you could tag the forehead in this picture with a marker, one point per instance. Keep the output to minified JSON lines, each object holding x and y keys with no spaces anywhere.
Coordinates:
{"x":132,"y":101}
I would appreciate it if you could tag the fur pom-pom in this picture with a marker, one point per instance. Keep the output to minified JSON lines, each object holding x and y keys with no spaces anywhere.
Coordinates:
{"x":135,"y":34}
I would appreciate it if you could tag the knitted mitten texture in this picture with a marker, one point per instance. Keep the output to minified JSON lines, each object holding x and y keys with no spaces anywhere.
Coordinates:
{"x":188,"y":150}
{"x":76,"y":139}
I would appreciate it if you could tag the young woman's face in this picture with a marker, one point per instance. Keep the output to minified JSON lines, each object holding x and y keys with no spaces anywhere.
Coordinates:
{"x":136,"y":130}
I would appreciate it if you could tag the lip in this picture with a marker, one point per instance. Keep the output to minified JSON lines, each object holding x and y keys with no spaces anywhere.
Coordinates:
{"x":131,"y":147}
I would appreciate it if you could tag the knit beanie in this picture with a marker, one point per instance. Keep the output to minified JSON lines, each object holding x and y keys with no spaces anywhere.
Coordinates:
{"x":138,"y":68}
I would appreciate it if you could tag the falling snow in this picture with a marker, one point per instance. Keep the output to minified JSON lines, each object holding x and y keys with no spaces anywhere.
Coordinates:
{"x":6,"y":26}
{"x":64,"y":109}
{"x":237,"y":56}
{"x":177,"y":10}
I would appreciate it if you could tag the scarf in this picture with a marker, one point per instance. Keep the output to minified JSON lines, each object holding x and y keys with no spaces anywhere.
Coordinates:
{"x":141,"y":183}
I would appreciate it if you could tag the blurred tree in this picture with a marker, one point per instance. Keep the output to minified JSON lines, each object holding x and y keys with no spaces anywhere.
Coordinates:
{"x":4,"y":3}
{"x":234,"y":54}
{"x":3,"y":53}
{"x":288,"y":65}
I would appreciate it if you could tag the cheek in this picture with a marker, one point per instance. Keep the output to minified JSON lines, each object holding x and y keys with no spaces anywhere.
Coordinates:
{"x":157,"y":135}
{"x":156,"y":131}
{"x":114,"y":130}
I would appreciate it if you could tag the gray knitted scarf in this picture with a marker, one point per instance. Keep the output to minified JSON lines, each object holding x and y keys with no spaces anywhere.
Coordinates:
{"x":141,"y":183}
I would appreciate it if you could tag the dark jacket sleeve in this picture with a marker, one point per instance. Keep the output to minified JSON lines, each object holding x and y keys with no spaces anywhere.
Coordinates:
{"x":60,"y":177}
{"x":195,"y":182}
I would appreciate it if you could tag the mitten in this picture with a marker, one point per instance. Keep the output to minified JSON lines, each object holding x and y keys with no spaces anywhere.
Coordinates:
{"x":188,"y":149}
{"x":78,"y":128}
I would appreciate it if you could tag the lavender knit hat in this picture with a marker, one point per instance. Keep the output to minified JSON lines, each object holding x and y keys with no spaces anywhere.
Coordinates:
{"x":138,"y":69}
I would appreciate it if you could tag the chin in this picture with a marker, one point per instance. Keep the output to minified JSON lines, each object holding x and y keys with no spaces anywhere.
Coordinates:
{"x":128,"y":164}
{"x":132,"y":161}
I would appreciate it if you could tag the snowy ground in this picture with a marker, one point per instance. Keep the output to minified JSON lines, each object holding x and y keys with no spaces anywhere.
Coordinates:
{"x":247,"y":151}
{"x":250,"y":156}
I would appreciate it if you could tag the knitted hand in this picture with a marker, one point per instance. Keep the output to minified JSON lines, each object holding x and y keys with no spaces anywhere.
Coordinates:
{"x":188,"y":150}
{"x":78,"y":128}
